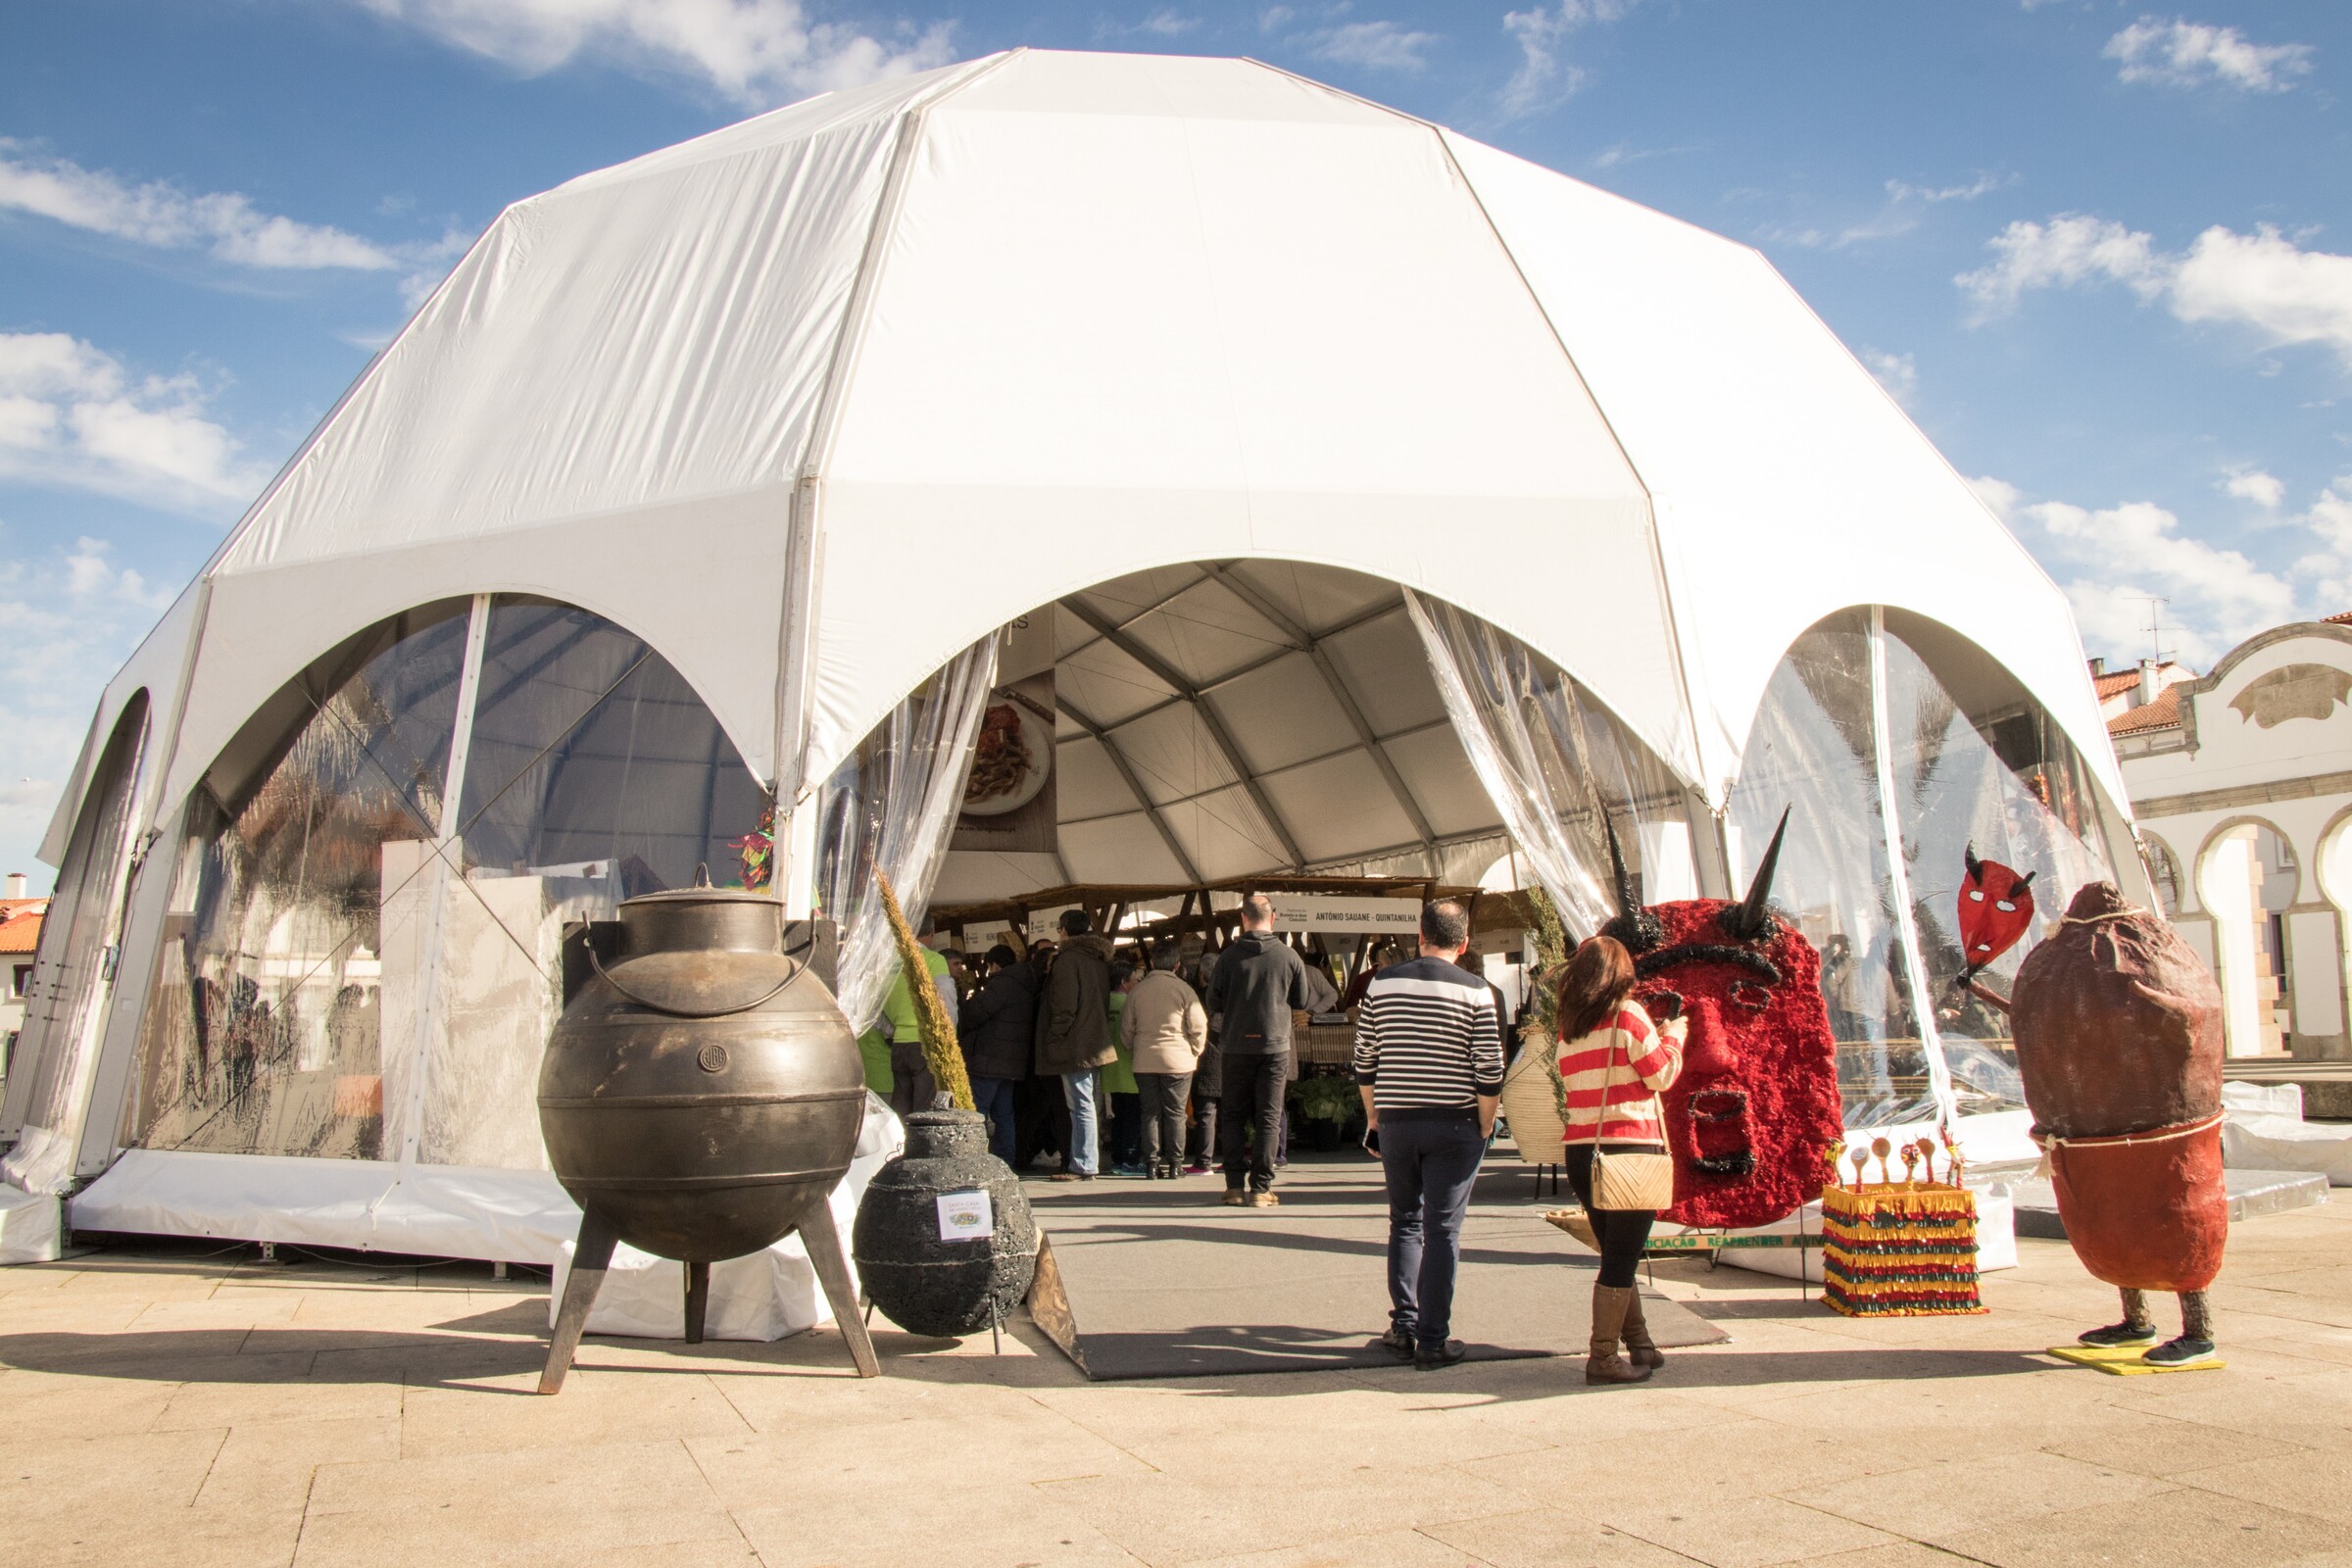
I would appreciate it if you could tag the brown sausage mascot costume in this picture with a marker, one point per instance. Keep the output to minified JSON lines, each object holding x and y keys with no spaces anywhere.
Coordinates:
{"x":2119,"y":1041}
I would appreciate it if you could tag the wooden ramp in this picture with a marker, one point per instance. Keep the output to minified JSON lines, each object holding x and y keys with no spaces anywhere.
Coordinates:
{"x":1159,"y":1280}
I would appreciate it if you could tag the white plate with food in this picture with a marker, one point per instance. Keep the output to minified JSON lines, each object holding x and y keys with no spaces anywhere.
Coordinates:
{"x":1010,"y":762}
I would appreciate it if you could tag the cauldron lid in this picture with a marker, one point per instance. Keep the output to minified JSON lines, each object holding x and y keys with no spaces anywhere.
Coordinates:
{"x":700,"y":896}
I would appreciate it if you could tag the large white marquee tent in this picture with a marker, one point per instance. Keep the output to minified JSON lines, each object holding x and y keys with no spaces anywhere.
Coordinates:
{"x":1306,"y":417}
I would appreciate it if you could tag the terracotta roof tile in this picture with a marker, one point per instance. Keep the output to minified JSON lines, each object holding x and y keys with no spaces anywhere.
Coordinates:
{"x":2114,"y":682}
{"x":2162,"y":714}
{"x":21,"y":934}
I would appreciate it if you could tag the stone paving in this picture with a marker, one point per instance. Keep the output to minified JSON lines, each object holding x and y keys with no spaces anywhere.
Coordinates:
{"x":188,"y":1405}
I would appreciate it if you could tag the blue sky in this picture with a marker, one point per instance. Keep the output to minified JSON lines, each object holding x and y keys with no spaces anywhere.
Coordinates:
{"x":2102,"y":253}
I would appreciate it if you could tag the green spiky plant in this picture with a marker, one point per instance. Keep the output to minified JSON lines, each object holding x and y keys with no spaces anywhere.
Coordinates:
{"x":1543,"y":1018}
{"x":941,"y":1052}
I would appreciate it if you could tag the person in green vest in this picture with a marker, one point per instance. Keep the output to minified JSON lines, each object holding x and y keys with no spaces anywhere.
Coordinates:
{"x":1125,"y":1119}
{"x":893,"y":1049}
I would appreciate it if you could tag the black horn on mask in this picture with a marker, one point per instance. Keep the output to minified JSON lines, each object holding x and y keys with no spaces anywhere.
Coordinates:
{"x":1750,"y":920}
{"x":1634,"y":926}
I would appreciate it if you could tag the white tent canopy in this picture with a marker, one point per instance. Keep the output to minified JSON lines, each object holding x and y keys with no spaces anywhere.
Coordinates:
{"x":927,"y":354}
{"x":1216,"y":360}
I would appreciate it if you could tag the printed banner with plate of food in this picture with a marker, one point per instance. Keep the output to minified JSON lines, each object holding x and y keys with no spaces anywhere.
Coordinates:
{"x":1009,"y":801}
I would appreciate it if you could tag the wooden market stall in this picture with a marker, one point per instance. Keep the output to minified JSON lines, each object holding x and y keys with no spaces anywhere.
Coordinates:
{"x":1341,"y":926}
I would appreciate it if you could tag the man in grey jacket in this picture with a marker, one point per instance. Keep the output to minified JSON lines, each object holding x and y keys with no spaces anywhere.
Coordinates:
{"x":1257,"y":984}
{"x":1073,"y":1035}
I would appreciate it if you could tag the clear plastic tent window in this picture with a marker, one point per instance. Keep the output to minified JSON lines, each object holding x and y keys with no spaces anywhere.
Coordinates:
{"x":63,"y":1002}
{"x":350,"y":969}
{"x":890,"y":808}
{"x":1860,"y":738}
{"x":1559,"y":766}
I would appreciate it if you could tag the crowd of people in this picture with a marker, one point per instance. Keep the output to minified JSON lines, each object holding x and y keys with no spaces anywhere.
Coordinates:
{"x":1074,"y":1055}
{"x":1086,"y":1064}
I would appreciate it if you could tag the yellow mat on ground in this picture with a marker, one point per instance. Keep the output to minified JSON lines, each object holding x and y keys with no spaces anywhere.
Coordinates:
{"x":2125,"y":1361}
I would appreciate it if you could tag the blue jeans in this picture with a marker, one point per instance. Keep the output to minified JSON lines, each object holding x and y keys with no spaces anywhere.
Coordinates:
{"x":1430,"y":1167}
{"x":1078,"y":1092}
{"x":994,"y":1099}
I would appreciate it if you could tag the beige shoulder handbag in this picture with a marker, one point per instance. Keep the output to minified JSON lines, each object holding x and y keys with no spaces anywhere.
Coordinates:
{"x":1631,"y":1181}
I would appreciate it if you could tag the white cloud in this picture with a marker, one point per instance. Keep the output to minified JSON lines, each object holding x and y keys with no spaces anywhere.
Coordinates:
{"x":91,"y":575}
{"x":72,"y":415}
{"x":223,"y":223}
{"x":2327,"y":569}
{"x":2000,"y":495}
{"x":1983,"y":184}
{"x":2266,"y":490}
{"x":1545,"y":81}
{"x":1904,"y":208}
{"x":1374,"y":45}
{"x":2263,"y":281}
{"x":1167,"y":23}
{"x":2114,"y":559}
{"x":755,"y":52}
{"x":2191,"y":54}
{"x":1898,"y":374}
{"x":1274,"y":17}
{"x":68,"y":620}
{"x":2070,"y":249}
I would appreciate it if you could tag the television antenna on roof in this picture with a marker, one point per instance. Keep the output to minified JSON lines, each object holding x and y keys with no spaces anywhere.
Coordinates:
{"x":2156,"y":603}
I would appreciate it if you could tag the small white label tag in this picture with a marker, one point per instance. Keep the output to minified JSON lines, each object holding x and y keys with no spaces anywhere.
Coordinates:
{"x":966,"y":1216}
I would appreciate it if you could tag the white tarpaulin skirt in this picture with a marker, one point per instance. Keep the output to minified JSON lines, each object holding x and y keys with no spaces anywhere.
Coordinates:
{"x":32,"y":1226}
{"x":512,"y":1216}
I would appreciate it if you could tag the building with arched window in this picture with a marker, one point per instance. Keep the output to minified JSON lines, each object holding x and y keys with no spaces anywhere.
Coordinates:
{"x":2241,"y":783}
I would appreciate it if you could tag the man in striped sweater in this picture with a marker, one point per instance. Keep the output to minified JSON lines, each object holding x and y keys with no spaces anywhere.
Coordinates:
{"x":1429,"y":1065}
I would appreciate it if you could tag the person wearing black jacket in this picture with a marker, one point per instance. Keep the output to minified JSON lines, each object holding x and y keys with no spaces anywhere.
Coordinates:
{"x":1257,"y":985}
{"x":1000,"y":1026}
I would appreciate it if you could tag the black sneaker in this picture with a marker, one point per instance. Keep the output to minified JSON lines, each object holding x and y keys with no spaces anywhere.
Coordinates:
{"x":1397,"y":1341}
{"x":2119,"y":1334}
{"x":1451,"y":1353}
{"x":2183,"y":1351}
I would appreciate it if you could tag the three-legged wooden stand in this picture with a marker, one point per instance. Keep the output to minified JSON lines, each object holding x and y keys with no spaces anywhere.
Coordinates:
{"x":592,"y":1255}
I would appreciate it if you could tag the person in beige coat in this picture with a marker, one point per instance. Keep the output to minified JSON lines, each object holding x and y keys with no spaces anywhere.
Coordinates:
{"x":1166,"y":1029}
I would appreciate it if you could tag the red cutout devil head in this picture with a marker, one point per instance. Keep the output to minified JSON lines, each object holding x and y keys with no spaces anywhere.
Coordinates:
{"x":1756,"y":1106}
{"x":1996,"y":906}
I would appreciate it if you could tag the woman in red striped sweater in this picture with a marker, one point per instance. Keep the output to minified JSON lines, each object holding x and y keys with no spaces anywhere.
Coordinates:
{"x":1613,"y":1062}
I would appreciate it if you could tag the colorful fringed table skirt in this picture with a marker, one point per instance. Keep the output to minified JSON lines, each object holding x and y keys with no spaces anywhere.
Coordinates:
{"x":1900,"y":1250}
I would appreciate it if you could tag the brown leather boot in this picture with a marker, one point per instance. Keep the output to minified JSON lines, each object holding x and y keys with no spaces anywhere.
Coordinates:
{"x":1604,"y":1364}
{"x":1639,"y":1349}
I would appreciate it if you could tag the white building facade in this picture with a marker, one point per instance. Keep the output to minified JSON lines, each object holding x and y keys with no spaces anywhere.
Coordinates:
{"x":2242,"y":784}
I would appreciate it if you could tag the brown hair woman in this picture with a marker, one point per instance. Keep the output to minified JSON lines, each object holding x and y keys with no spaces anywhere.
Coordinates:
{"x":1613,"y":1062}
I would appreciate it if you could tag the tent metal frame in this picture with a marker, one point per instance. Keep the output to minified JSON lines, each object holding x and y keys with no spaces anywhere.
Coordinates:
{"x":1287,"y":635}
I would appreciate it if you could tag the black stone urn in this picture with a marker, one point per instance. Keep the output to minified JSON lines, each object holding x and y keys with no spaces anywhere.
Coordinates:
{"x":928,"y":1284}
{"x":701,"y":1097}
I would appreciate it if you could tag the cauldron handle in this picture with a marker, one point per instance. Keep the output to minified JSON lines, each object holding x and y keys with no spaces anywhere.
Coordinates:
{"x":597,"y":963}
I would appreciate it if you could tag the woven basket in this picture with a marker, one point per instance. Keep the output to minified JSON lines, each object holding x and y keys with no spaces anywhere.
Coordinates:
{"x":1530,"y":1099}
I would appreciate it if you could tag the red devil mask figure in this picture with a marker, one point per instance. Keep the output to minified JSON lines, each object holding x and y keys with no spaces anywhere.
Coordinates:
{"x":1996,"y":906}
{"x":1755,"y":1109}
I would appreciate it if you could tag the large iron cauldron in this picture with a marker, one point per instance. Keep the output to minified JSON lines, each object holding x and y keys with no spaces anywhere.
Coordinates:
{"x":700,"y":1099}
